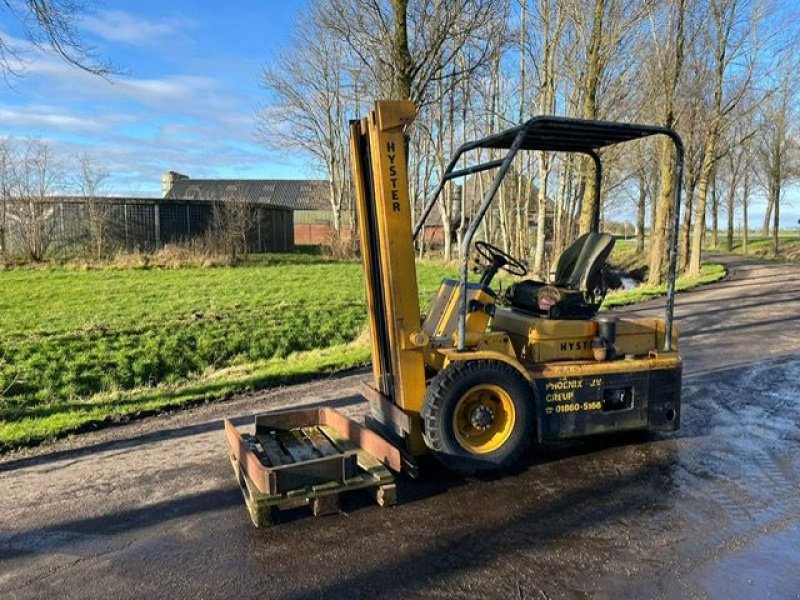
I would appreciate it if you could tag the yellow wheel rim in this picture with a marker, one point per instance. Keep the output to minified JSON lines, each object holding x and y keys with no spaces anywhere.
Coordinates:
{"x":484,"y":419}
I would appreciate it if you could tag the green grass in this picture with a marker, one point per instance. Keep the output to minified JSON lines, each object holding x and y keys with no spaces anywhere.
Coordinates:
{"x":78,"y":346}
{"x":625,"y":257}
{"x":82,"y":345}
{"x":710,"y":272}
{"x":763,"y":247}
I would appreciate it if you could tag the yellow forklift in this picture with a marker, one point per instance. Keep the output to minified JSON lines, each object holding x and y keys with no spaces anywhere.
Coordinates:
{"x":484,"y":375}
{"x":481,"y":377}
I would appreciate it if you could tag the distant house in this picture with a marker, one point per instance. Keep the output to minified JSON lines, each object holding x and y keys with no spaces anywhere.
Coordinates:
{"x":297,"y":205}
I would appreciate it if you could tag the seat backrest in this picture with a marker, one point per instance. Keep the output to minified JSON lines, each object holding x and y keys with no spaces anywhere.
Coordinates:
{"x":579,"y":266}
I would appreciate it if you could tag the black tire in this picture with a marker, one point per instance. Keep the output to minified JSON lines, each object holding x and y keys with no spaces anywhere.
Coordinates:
{"x":442,"y":398}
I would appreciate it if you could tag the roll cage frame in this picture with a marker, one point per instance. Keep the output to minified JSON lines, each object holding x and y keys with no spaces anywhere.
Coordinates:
{"x":556,"y":134}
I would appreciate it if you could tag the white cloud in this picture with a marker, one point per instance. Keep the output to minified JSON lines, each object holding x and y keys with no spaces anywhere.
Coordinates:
{"x":118,"y":26}
{"x":191,"y":94}
{"x":198,"y":120}
{"x":55,"y":118}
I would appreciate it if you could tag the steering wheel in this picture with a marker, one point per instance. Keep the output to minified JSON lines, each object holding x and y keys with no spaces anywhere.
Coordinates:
{"x":501,"y":260}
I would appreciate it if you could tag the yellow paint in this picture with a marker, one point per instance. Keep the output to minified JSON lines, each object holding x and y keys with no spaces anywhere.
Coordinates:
{"x":540,"y":340}
{"x":384,"y":136}
{"x":491,"y":400}
{"x":656,"y":361}
{"x":442,"y":320}
{"x":583,"y":368}
{"x":359,"y":184}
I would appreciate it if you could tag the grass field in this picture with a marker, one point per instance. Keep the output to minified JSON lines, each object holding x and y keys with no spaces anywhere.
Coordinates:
{"x":763,"y":247}
{"x":81,"y":346}
{"x":78,"y":345}
{"x":711,"y":272}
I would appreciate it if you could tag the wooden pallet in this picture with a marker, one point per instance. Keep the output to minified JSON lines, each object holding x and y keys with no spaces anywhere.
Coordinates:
{"x":310,"y":458}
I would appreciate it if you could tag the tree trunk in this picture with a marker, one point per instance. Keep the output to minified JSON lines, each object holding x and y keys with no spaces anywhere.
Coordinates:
{"x":731,"y":215}
{"x":702,"y":196}
{"x":666,"y":197}
{"x":558,"y":216}
{"x":541,"y":217}
{"x":520,"y":226}
{"x":664,"y":203}
{"x":776,"y":215}
{"x":686,"y":229}
{"x":503,"y":216}
{"x":640,"y":213}
{"x":592,"y":79}
{"x":714,"y":216}
{"x":767,"y":217}
{"x":745,"y":206}
{"x":401,"y":52}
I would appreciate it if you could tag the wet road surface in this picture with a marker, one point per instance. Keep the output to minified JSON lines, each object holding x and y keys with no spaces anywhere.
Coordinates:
{"x":151,"y":509}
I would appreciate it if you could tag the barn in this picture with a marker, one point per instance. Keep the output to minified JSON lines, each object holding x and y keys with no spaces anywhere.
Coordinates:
{"x":66,"y":225}
{"x":276,"y":202}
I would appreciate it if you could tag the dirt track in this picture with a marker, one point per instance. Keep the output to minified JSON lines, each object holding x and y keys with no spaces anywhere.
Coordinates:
{"x":151,"y":509}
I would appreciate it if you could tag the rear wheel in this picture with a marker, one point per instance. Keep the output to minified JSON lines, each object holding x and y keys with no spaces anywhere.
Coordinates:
{"x":478,"y":416}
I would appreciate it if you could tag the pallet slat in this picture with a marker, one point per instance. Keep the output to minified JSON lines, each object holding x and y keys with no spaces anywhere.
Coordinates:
{"x":277,"y":456}
{"x":321,"y":443}
{"x":294,"y":447}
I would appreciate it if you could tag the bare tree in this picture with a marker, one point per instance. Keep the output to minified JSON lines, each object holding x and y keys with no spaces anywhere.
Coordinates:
{"x":746,"y":188}
{"x":777,"y":152}
{"x":668,"y":65}
{"x":5,"y":194}
{"x":90,"y":182}
{"x":610,"y":25}
{"x":233,"y":219}
{"x":404,"y":45}
{"x":734,"y":173}
{"x":551,"y":21}
{"x":693,"y":140}
{"x":692,"y":66}
{"x":730,"y":47}
{"x":645,"y":173}
{"x":310,"y":109}
{"x":32,"y":174}
{"x":52,"y":25}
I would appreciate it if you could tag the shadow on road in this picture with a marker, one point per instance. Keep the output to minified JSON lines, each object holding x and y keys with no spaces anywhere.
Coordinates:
{"x":153,"y":437}
{"x":53,"y":538}
{"x":526,"y":524}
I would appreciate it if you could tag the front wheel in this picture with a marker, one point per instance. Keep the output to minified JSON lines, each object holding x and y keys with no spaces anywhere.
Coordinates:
{"x":478,"y":416}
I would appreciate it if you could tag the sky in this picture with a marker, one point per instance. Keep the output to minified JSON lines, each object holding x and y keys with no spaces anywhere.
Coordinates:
{"x":187,"y":101}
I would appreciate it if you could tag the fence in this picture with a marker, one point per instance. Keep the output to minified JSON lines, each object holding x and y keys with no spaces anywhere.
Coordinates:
{"x":315,"y":227}
{"x":65,"y":226}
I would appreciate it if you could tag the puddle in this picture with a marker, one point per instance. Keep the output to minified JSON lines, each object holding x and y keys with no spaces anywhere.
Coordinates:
{"x":767,"y":568}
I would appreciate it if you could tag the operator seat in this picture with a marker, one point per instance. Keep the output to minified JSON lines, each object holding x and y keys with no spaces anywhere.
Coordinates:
{"x":576,"y":290}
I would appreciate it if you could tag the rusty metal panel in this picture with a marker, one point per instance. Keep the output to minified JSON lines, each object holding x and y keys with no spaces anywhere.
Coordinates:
{"x":380,"y":403}
{"x":368,"y":440}
{"x":245,"y":457}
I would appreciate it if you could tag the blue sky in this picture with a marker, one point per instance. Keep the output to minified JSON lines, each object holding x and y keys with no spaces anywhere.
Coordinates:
{"x":187,"y":102}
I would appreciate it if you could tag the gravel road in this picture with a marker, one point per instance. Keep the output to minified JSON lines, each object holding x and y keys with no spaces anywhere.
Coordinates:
{"x":151,"y":509}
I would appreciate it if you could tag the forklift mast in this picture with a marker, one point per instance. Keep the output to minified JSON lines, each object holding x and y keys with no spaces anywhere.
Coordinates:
{"x":379,"y":164}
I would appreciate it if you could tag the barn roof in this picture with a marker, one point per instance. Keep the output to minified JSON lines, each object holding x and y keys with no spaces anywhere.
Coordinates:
{"x":294,"y":194}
